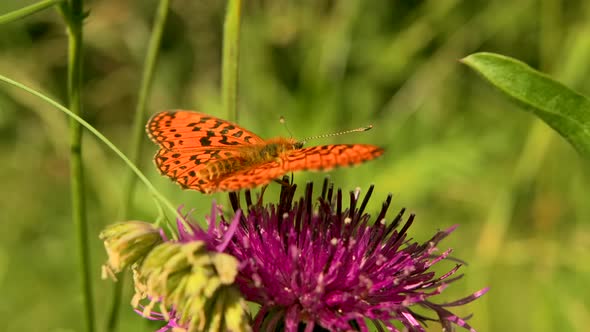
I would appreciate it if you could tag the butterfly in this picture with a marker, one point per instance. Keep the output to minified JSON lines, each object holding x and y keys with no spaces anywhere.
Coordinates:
{"x":201,"y":152}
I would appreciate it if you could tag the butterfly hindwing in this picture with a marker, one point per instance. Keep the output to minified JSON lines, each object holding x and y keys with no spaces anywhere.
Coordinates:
{"x":185,"y":168}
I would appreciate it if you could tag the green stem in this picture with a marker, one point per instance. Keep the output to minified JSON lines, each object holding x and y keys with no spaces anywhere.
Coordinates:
{"x":229,"y":75}
{"x":73,"y":14}
{"x":29,"y":10}
{"x":138,"y":136}
{"x":550,"y":39}
{"x":144,"y":91}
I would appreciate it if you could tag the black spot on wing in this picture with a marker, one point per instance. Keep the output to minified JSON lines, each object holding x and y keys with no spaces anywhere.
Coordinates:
{"x":224,"y":141}
{"x":205,"y":141}
{"x":227,"y":129}
{"x":196,"y":159}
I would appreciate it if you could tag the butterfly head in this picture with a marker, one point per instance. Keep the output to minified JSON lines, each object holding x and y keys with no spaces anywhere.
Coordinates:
{"x":276,"y":146}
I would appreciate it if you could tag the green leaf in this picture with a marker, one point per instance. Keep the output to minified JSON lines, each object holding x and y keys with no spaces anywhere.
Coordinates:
{"x":566,"y":111}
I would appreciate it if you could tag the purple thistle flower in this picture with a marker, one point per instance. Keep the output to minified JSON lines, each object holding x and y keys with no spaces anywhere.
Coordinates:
{"x":314,"y":264}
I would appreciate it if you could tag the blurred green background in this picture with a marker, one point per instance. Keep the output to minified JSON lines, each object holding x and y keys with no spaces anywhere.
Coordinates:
{"x":457,"y":151}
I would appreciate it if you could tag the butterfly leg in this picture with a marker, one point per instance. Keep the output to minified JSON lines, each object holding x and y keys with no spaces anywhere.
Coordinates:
{"x":283,"y":181}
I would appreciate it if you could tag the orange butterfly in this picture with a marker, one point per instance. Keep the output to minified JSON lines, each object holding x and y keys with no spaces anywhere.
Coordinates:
{"x":202,"y":152}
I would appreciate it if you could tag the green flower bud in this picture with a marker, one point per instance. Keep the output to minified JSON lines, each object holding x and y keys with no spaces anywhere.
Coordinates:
{"x":193,"y":285}
{"x":126,"y":243}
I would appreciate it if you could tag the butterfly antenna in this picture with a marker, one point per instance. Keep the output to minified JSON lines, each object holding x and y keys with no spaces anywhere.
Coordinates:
{"x":361,"y":129}
{"x":283,"y":121}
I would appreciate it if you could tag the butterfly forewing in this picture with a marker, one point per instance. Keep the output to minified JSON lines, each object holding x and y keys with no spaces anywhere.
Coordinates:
{"x":316,"y":158}
{"x":326,"y":157}
{"x":185,"y":130}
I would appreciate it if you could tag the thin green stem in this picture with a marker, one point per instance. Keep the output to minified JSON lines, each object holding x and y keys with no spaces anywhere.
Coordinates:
{"x":29,"y":10}
{"x":550,"y":40}
{"x":73,"y":14}
{"x":138,"y":136}
{"x":144,"y":91}
{"x":159,"y":197}
{"x":231,"y":52}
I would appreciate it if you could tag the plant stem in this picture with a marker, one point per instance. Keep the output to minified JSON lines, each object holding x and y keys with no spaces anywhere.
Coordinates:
{"x":73,"y":13}
{"x":138,"y":136}
{"x":29,"y":10}
{"x":230,"y":58}
{"x":140,"y":110}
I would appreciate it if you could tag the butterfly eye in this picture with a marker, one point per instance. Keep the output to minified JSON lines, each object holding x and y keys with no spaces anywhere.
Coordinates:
{"x":298,"y":145}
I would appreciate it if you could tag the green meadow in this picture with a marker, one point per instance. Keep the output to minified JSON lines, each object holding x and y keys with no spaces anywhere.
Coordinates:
{"x":457,"y":151}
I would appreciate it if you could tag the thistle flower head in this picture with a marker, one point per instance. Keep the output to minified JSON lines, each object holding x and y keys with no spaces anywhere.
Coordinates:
{"x":318,"y":264}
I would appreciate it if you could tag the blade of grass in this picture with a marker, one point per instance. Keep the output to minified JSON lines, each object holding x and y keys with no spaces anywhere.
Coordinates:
{"x":144,"y":92}
{"x":138,"y":135}
{"x":159,"y":197}
{"x":231,"y":52}
{"x":29,"y":10}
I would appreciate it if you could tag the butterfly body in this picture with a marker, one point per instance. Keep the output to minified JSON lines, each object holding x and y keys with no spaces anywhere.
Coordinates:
{"x":251,"y":155}
{"x":202,"y":152}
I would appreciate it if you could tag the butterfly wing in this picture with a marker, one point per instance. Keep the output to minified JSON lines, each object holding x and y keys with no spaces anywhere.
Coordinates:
{"x":190,"y":141}
{"x":184,"y":167}
{"x":326,"y":157}
{"x":316,"y":158}
{"x":248,"y":178}
{"x":188,"y":130}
